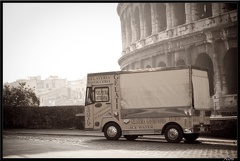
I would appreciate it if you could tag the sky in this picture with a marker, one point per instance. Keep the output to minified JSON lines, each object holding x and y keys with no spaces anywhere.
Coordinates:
{"x":67,"y":40}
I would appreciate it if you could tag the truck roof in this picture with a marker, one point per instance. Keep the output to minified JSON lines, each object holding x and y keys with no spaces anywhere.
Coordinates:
{"x":148,"y":70}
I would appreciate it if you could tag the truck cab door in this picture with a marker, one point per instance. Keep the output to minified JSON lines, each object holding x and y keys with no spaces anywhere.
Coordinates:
{"x":98,"y":105}
{"x":88,"y":110}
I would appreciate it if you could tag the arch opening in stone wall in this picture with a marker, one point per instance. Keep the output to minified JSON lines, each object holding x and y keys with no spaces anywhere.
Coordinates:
{"x":205,"y":10}
{"x":137,"y":65}
{"x":132,"y":65}
{"x":230,"y":68}
{"x":161,"y":64}
{"x":148,"y":66}
{"x":226,"y":7}
{"x":204,"y":61}
{"x":161,"y":17}
{"x":147,"y":19}
{"x":180,"y":62}
{"x":179,"y":16}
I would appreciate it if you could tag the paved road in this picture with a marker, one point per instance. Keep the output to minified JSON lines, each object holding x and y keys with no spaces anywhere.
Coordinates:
{"x":77,"y":132}
{"x":79,"y":144}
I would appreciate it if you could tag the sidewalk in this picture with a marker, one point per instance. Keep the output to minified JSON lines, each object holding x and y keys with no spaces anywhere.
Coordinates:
{"x":77,"y":132}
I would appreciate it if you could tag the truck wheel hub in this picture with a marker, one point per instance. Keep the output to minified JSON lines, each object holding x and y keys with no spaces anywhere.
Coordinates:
{"x":112,"y":131}
{"x":172,"y":134}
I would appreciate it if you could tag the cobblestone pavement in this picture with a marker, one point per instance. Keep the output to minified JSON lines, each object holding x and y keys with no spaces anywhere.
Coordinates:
{"x":54,"y":146}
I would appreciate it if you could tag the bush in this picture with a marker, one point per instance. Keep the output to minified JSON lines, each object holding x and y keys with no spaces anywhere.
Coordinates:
{"x":52,"y":117}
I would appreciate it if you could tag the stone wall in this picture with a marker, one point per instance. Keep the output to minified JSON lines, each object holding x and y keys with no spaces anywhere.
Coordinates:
{"x":51,"y":117}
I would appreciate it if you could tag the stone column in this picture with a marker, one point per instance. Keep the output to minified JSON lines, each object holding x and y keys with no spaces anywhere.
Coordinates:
{"x":154,"y":18}
{"x":123,"y":28}
{"x":169,"y":59}
{"x":141,"y":64}
{"x":141,"y":23}
{"x":132,"y":26}
{"x":134,"y":32}
{"x":169,"y":15}
{"x":188,"y":12}
{"x":128,"y":29}
{"x":125,"y":21}
{"x":195,"y":11}
{"x":153,"y":61}
{"x":147,"y":20}
{"x":215,"y":9}
{"x":224,"y":42}
{"x":189,"y":53}
{"x":216,"y":68}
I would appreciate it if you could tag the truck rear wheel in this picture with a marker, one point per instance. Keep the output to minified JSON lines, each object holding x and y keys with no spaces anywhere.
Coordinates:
{"x":191,"y":137}
{"x":173,"y":134}
{"x":112,"y":131}
{"x":131,"y":137}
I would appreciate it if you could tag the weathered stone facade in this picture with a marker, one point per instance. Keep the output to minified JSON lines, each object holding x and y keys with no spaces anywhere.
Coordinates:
{"x":172,"y":34}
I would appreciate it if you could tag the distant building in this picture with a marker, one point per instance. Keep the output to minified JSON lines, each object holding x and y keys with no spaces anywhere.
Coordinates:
{"x":55,"y":91}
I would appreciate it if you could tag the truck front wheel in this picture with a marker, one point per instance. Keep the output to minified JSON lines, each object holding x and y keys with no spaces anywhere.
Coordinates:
{"x":173,"y":134}
{"x":112,"y":131}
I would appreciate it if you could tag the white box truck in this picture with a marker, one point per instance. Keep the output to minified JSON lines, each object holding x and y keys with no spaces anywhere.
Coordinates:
{"x":170,"y":101}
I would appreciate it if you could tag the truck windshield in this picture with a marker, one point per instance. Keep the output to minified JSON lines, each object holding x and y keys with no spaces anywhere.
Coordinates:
{"x":89,"y":98}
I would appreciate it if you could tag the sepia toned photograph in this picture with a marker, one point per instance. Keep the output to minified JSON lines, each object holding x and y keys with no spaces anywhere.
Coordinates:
{"x":120,"y":80}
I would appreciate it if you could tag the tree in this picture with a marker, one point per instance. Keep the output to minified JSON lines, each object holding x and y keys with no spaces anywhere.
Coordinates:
{"x":19,"y":96}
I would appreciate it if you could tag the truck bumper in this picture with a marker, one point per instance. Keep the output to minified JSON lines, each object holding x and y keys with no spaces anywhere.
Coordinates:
{"x":201,"y":128}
